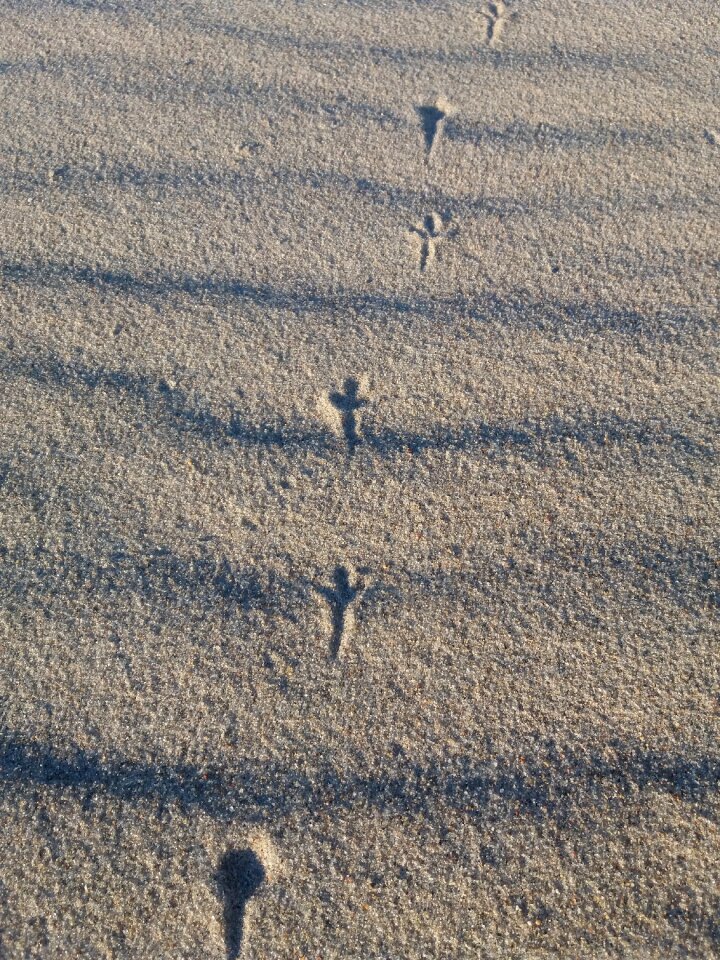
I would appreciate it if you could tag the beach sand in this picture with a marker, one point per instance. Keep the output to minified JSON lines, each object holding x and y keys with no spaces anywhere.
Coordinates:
{"x":358,"y":478}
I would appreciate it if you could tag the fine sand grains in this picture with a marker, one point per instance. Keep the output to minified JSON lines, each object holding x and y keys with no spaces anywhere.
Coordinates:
{"x":358,"y":480}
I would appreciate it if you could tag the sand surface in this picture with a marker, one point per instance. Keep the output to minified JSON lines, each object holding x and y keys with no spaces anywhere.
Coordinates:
{"x":358,"y":479}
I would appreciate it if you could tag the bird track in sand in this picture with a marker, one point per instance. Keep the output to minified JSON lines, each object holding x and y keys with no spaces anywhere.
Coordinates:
{"x":430,"y":231}
{"x":342,"y":409}
{"x":342,"y":599}
{"x":239,"y":877}
{"x":432,"y":121}
{"x":496,"y":16}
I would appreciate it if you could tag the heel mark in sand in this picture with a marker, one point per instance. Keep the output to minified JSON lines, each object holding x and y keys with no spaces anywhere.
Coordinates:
{"x":342,"y":600}
{"x":430,"y":231}
{"x":432,"y":120}
{"x":240,"y":875}
{"x":497,"y":16}
{"x":344,"y":407}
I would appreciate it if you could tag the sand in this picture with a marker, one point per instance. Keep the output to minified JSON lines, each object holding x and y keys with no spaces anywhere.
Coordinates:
{"x":359,"y":485}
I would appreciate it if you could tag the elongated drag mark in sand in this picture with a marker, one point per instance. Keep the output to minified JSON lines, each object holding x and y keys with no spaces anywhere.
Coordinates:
{"x":497,"y":16}
{"x":348,"y":587}
{"x":239,"y":877}
{"x":348,"y":405}
{"x":430,"y":231}
{"x":432,"y":120}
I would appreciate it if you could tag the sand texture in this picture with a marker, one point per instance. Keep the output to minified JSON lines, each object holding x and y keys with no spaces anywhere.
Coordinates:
{"x":358,"y":479}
